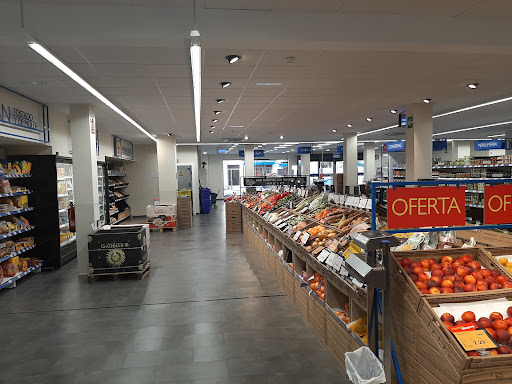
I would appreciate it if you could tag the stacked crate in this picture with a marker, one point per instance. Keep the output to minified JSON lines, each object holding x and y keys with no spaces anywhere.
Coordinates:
{"x":184,"y":212}
{"x":233,"y":218}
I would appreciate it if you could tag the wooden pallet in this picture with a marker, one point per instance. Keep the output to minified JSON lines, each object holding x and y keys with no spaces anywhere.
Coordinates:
{"x":172,"y":229}
{"x":117,"y":275}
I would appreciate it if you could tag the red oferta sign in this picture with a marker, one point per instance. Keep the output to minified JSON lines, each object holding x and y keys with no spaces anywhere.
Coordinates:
{"x":498,"y":204}
{"x":426,"y":206}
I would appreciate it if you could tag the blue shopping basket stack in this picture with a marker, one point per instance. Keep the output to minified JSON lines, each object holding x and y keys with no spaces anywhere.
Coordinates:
{"x":205,"y":200}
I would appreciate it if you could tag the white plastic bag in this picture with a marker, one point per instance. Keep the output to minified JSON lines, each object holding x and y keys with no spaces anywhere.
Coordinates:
{"x":363,"y":367}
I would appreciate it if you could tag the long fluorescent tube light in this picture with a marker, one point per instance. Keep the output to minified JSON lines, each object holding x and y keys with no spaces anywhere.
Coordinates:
{"x":378,"y":130}
{"x":195,"y":62}
{"x":68,"y":71}
{"x":500,"y":135}
{"x":473,"y":107}
{"x":473,"y":128}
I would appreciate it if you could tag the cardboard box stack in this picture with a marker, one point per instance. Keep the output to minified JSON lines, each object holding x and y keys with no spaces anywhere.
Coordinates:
{"x":233,"y":218}
{"x":184,"y":213}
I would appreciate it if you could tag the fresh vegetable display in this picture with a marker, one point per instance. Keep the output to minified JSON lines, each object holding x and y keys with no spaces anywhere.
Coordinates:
{"x":317,"y":285}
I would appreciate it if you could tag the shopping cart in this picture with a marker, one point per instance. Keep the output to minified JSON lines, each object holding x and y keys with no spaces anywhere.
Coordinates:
{"x":213,"y":198}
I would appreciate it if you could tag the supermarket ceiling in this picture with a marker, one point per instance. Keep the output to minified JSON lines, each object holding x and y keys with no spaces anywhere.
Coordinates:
{"x":352,"y":59}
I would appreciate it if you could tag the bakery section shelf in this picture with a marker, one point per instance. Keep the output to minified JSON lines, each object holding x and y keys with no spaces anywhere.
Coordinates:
{"x":116,"y":193}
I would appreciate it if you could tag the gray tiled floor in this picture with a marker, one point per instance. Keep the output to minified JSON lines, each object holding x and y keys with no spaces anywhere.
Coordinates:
{"x":208,"y":312}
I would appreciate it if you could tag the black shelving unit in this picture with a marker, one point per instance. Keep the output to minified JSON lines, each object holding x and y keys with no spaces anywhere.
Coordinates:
{"x":117,"y":204}
{"x":45,"y":216}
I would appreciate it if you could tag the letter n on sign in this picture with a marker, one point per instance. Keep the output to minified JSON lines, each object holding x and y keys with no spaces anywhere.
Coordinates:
{"x":426,"y":207}
{"x":498,"y":204}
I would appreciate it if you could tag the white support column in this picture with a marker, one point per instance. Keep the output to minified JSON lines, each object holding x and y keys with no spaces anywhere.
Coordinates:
{"x":461,"y":149}
{"x":292,"y":161}
{"x":85,"y":178}
{"x":167,"y":168}
{"x":418,"y":146}
{"x":249,"y":160}
{"x":305,"y":166}
{"x":350,"y":160}
{"x":369,"y":161}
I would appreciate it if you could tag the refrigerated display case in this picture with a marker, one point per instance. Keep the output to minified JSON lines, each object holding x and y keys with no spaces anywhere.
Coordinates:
{"x":102,"y":188}
{"x":65,"y":201}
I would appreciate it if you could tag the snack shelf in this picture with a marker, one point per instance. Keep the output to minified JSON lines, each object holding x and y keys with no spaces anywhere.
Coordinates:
{"x":5,"y":176}
{"x":6,"y":281}
{"x":118,"y":221}
{"x":118,"y":186}
{"x":63,"y":210}
{"x":10,"y":213}
{"x":64,"y":225}
{"x":15,"y":194}
{"x":116,"y":174}
{"x":14,"y":233}
{"x":471,"y":166}
{"x":17,"y":253}
{"x":67,"y":242}
{"x":114,"y":213}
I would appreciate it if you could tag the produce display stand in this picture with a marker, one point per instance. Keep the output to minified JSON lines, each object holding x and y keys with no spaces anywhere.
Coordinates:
{"x":426,"y":350}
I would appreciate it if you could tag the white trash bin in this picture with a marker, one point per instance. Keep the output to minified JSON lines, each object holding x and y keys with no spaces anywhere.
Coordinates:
{"x":363,"y":367}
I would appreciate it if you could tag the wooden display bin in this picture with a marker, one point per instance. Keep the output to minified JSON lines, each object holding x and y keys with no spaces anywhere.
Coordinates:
{"x":233,"y":218}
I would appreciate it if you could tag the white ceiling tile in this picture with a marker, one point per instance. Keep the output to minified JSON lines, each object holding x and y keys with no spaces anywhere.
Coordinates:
{"x":256,"y":5}
{"x":308,"y":5}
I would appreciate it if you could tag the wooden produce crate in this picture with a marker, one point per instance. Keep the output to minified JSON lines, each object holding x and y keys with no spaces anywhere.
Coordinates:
{"x":496,"y":252}
{"x":495,"y":239}
{"x":289,"y":282}
{"x":408,"y":288}
{"x":301,"y":298}
{"x":233,"y":218}
{"x":443,"y":358}
{"x":279,"y":270}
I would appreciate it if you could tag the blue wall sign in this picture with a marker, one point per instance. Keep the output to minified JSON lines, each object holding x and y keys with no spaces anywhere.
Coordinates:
{"x":304,"y":150}
{"x":396,"y":146}
{"x":440,"y":145}
{"x":241,"y":153}
{"x":485,"y":145}
{"x":259,"y":153}
{"x":339,"y":148}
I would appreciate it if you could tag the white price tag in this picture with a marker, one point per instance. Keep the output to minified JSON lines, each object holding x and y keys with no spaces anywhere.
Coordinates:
{"x":289,"y":230}
{"x":330,"y":259}
{"x":323,"y":255}
{"x":343,"y":271}
{"x":342,"y":199}
{"x":297,"y":235}
{"x":303,"y":210}
{"x":357,"y":283}
{"x":362,"y":202}
{"x":331,"y":196}
{"x":305,"y":238}
{"x":278,"y":222}
{"x":369,"y":204}
{"x":338,"y":260}
{"x":282,"y":226}
{"x":356,"y":201}
{"x":266,"y":215}
{"x":289,"y":217}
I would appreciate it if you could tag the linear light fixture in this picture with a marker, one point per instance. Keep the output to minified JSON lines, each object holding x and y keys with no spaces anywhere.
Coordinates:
{"x":195,"y":62}
{"x":73,"y":75}
{"x":500,"y":135}
{"x":473,"y":107}
{"x":473,"y":128}
{"x":377,"y":130}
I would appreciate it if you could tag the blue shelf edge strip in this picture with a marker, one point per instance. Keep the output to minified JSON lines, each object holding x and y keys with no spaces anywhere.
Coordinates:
{"x":17,"y":253}
{"x":10,"y":213}
{"x":15,"y":194}
{"x":6,"y":176}
{"x":20,"y":275}
{"x":14,"y":233}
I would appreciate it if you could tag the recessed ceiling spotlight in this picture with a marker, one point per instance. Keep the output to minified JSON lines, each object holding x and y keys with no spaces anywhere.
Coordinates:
{"x":335,"y":130}
{"x":212,"y":126}
{"x":220,"y":101}
{"x":473,"y":86}
{"x":217,"y":112}
{"x":327,"y":150}
{"x":204,"y":153}
{"x":281,"y":137}
{"x":233,"y":58}
{"x":215,"y":120}
{"x":211,"y":132}
{"x":427,"y":101}
{"x":225,"y":84}
{"x":246,"y":138}
{"x":349,"y":125}
{"x":393,"y":111}
{"x":369,"y":119}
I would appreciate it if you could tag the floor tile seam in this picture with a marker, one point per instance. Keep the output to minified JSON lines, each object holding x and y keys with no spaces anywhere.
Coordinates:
{"x":143,"y":304}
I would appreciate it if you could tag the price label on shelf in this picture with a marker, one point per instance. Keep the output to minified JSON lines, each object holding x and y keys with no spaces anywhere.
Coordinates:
{"x":330,"y":259}
{"x":305,"y":238}
{"x":290,"y":205}
{"x":369,"y":204}
{"x":362,"y":203}
{"x":289,"y":217}
{"x":266,"y":215}
{"x":342,"y":199}
{"x":289,"y":230}
{"x":297,"y":235}
{"x":317,"y":250}
{"x":303,"y":210}
{"x":338,"y":262}
{"x":473,"y":340}
{"x":343,"y":272}
{"x":278,"y":222}
{"x":282,"y":226}
{"x":323,"y":255}
{"x":355,"y":202}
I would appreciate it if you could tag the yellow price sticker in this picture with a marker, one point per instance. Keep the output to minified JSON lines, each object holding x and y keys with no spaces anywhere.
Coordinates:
{"x":473,"y":340}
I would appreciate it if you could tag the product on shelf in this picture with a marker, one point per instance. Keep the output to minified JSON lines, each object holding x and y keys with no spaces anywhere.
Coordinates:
{"x":317,"y":285}
{"x":13,"y":223}
{"x":344,"y":314}
{"x":15,"y":168}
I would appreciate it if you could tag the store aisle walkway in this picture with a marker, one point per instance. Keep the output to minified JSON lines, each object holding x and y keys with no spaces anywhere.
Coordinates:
{"x":208,"y":312}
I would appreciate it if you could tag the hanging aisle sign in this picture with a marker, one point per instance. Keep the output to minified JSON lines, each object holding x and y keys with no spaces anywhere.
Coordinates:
{"x":396,"y":146}
{"x":304,"y":150}
{"x":259,"y":153}
{"x":439,"y":145}
{"x":485,"y":145}
{"x":427,"y":206}
{"x":498,"y":204}
{"x":23,"y":117}
{"x":339,"y":148}
{"x":122,"y":149}
{"x":241,"y":153}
